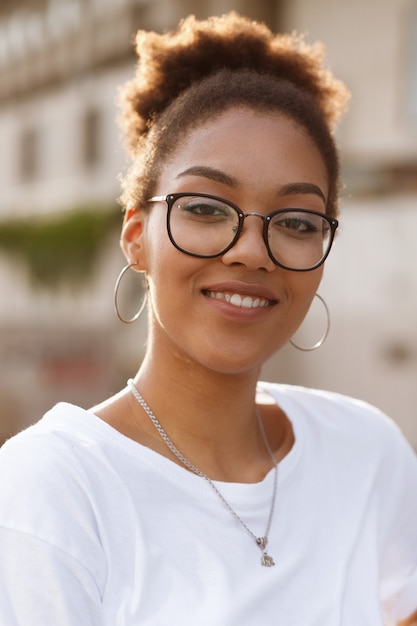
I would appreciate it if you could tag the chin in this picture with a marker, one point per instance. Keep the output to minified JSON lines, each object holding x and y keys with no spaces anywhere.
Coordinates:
{"x":232,"y":365}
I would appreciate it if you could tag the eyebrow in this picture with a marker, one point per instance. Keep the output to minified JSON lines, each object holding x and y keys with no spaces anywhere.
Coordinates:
{"x":290,"y":189}
{"x":211,"y":173}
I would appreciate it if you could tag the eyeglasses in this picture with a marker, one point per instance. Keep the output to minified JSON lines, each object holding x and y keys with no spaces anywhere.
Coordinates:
{"x":207,"y":226}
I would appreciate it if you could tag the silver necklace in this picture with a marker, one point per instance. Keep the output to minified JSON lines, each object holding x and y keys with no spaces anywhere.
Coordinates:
{"x":261,"y":542}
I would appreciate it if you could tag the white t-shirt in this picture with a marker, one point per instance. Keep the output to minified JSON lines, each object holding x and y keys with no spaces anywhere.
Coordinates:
{"x":98,"y":530}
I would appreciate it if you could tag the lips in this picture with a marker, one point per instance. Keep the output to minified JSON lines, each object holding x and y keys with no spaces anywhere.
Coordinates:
{"x":240,"y":300}
{"x":241,"y":295}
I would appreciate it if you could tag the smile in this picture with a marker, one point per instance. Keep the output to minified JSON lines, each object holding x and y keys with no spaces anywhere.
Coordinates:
{"x":235,"y":299}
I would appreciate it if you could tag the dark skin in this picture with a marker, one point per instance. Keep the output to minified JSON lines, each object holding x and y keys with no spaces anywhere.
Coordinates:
{"x":209,"y":379}
{"x":204,"y":353}
{"x":124,"y":414}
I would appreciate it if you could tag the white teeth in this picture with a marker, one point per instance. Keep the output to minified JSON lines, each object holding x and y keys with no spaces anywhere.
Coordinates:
{"x":245,"y":302}
{"x":236,"y":300}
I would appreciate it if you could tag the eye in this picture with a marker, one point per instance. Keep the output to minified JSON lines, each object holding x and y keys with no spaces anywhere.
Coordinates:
{"x":204,"y":209}
{"x":298,"y":224}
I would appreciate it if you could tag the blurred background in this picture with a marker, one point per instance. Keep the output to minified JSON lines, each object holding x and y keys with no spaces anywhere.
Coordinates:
{"x":61,"y":62}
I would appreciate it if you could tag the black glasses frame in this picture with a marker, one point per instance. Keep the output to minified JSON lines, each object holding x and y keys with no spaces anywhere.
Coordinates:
{"x":173,"y":197}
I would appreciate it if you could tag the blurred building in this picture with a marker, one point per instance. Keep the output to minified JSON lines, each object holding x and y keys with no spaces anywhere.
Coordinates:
{"x":370,"y":280}
{"x":61,"y":62}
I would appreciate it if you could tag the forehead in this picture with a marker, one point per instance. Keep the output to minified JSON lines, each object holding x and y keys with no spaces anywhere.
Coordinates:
{"x":253,"y":148}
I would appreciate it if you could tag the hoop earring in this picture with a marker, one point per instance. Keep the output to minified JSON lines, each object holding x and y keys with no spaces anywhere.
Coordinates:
{"x":321,"y":341}
{"x":116,"y":294}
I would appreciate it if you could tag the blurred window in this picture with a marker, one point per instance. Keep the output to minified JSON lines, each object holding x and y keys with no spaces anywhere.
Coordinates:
{"x":29,"y":154}
{"x":413,"y":68}
{"x":92,"y":131}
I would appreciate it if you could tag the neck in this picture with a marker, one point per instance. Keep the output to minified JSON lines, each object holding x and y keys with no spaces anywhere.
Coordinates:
{"x":210,"y":416}
{"x":215,"y":402}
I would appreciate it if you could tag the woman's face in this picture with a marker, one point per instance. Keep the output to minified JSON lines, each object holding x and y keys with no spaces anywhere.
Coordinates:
{"x":260,"y":162}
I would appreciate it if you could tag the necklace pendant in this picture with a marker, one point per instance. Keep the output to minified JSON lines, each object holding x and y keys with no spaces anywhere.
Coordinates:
{"x":267,"y":561}
{"x":261,"y":542}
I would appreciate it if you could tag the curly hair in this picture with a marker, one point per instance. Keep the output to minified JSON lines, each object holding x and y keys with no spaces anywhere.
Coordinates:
{"x":187,"y":76}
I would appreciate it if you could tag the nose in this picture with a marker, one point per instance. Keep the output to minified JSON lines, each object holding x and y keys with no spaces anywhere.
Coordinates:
{"x":250,"y":249}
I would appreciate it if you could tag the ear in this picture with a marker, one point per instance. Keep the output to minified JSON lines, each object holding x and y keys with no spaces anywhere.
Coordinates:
{"x":132,"y":237}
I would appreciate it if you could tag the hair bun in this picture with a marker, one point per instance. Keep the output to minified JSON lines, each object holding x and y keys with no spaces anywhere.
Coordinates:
{"x":168,"y":63}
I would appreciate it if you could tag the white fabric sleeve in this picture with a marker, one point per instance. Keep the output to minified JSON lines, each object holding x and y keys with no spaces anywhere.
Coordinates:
{"x":40,"y":584}
{"x":52,"y":565}
{"x":398,"y":530}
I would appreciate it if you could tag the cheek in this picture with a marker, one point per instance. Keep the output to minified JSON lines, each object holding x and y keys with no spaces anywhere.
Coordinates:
{"x":303,"y":288}
{"x":156,"y":240}
{"x":165,"y":271}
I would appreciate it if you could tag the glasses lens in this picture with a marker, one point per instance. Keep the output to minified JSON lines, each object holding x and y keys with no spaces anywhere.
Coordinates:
{"x":202,"y":226}
{"x":299,"y":239}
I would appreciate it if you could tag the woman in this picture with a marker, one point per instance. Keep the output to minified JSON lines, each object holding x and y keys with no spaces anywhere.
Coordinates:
{"x":199,"y":495}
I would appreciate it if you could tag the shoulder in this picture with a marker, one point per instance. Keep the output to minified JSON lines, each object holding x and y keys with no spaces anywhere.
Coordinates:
{"x":62,"y":428}
{"x":324,"y":403}
{"x":339,"y":419}
{"x":50,"y":439}
{"x":54,"y":480}
{"x":49,"y":490}
{"x":359,"y":446}
{"x":48,"y":465}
